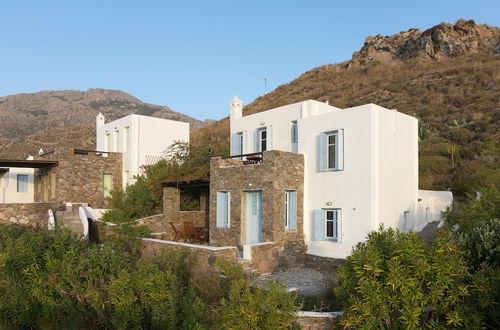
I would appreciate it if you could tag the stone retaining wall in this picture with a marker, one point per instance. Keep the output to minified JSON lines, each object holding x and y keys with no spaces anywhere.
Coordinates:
{"x":156,"y":223}
{"x":323,"y":264}
{"x":316,"y":320}
{"x":203,"y":256}
{"x":275,"y":256}
{"x":32,"y":214}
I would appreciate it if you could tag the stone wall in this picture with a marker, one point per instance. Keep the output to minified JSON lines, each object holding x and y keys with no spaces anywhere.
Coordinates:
{"x":316,"y":320}
{"x":172,"y":212}
{"x":156,"y":223}
{"x":78,"y":178}
{"x":270,"y":257}
{"x":278,"y":172}
{"x":202,"y":256}
{"x":32,"y":214}
{"x":323,"y":264}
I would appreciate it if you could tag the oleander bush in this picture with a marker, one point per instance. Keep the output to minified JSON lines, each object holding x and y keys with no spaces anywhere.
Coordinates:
{"x":394,"y":281}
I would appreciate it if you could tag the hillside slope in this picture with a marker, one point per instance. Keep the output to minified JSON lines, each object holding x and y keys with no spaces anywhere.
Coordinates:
{"x":67,"y":118}
{"x":456,"y":96}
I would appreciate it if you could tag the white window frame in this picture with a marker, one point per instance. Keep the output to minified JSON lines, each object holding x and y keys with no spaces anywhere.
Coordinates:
{"x":294,"y":132}
{"x":27,"y":182}
{"x":337,"y":218}
{"x":260,"y":131}
{"x":336,"y":146}
{"x":107,"y":193}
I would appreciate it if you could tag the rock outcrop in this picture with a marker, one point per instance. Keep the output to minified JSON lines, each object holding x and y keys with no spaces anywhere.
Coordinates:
{"x":440,"y":41}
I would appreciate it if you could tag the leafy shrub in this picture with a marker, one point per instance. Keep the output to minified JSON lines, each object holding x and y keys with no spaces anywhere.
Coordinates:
{"x":393,"y":281}
{"x":244,"y":306}
{"x":481,"y":243}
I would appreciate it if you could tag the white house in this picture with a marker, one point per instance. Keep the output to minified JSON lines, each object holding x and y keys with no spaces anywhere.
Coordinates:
{"x":16,"y":185}
{"x":143,"y":140}
{"x":360,"y":168}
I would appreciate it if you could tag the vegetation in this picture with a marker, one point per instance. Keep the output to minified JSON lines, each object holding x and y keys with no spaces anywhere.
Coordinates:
{"x":51,"y":279}
{"x":182,"y":161}
{"x":393,"y":281}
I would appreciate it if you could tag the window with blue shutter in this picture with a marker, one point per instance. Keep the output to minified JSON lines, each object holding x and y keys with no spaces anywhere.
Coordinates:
{"x":269,"y":135}
{"x":331,"y":151}
{"x":291,"y":210}
{"x":223,"y":209}
{"x":328,"y":225}
{"x":238,"y":144}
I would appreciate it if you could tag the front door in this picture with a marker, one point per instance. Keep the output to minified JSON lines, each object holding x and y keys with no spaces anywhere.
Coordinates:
{"x":254,"y":217}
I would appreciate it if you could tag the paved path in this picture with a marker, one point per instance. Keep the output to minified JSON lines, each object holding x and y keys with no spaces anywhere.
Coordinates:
{"x":305,"y":280}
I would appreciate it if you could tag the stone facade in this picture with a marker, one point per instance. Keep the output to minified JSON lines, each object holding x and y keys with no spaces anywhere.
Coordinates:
{"x":172,"y":209}
{"x":33,"y":214}
{"x":279,"y":171}
{"x":78,"y":178}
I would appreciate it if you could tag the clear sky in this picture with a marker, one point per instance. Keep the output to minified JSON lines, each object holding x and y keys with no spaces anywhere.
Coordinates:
{"x":194,"y":56}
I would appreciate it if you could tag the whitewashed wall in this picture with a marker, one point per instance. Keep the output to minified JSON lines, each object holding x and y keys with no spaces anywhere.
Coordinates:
{"x":148,"y":136}
{"x":8,"y":186}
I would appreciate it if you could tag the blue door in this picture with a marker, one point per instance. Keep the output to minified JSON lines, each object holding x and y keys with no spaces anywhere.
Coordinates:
{"x":254,"y":217}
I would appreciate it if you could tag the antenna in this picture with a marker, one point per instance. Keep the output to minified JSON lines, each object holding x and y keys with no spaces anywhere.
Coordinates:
{"x":265,"y":85}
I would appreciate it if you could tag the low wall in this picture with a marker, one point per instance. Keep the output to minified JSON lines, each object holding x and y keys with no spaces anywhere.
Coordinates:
{"x":270,"y":257}
{"x":316,"y":320}
{"x":429,"y":207}
{"x":324,"y":264}
{"x":203,"y":256}
{"x":156,"y":223}
{"x":32,"y":214}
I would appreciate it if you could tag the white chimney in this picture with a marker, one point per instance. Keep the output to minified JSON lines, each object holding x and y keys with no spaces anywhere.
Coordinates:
{"x":99,"y":120}
{"x":236,"y":107}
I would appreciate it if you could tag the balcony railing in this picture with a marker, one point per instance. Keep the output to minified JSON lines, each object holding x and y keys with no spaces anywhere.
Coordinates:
{"x":248,"y":159}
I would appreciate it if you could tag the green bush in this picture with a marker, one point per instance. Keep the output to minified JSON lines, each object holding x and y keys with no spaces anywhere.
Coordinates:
{"x":52,"y":279}
{"x":393,"y":281}
{"x":244,"y":306}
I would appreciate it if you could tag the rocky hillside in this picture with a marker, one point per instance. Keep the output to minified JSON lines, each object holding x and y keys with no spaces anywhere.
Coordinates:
{"x":28,"y":121}
{"x":448,"y":76}
{"x":440,"y":41}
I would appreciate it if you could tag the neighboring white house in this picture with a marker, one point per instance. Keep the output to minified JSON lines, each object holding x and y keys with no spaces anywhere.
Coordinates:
{"x":16,"y":185}
{"x":360,"y":170}
{"x":143,"y":140}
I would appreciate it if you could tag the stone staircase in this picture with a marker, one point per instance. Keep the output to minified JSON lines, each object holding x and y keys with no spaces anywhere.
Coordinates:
{"x":247,"y":266}
{"x":70,"y":218}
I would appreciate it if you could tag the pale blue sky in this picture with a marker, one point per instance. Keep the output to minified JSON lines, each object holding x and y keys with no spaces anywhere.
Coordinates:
{"x":194,"y":56}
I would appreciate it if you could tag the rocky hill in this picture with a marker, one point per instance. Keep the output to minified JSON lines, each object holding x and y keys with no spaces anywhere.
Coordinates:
{"x":28,"y":121}
{"x":440,"y":41}
{"x":448,"y":76}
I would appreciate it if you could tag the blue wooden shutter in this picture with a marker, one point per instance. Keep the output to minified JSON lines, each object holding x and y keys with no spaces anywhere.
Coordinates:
{"x":269,"y":137}
{"x":235,"y":144}
{"x":292,"y":208}
{"x":323,"y":152}
{"x":340,"y":149}
{"x":319,"y":225}
{"x":228,"y":210}
{"x":339,"y":225}
{"x":221,"y":209}
{"x":244,"y":151}
{"x":256,"y":141}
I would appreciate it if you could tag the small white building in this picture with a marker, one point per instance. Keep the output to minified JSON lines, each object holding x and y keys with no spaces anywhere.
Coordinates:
{"x":16,"y":185}
{"x":143,"y":140}
{"x":360,"y":168}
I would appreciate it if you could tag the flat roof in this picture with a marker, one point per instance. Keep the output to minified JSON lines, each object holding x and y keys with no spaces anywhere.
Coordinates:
{"x":23,"y":163}
{"x":187,"y":181}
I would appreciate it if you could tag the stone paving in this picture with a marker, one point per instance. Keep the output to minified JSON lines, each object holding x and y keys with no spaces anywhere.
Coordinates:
{"x":306,"y":281}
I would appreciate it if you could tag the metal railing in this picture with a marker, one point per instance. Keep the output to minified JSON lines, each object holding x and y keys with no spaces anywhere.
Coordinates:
{"x":248,"y":159}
